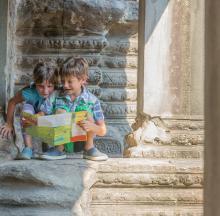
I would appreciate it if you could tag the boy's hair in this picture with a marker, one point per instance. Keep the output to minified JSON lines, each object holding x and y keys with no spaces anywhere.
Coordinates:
{"x":45,"y":71}
{"x":75,"y":66}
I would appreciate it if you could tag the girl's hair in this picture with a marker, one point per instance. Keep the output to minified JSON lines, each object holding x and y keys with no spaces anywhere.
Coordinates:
{"x":45,"y":71}
{"x":75,"y":66}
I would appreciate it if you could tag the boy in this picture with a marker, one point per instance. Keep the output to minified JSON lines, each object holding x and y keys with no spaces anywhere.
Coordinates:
{"x":74,"y":74}
{"x":44,"y":79}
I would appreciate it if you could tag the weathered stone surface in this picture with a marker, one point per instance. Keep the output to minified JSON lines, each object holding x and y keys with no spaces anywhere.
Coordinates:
{"x":29,"y":61}
{"x":119,"y":78}
{"x":119,"y":109}
{"x":112,"y":144}
{"x":120,"y":62}
{"x":116,"y":94}
{"x":143,"y":210}
{"x":155,"y":138}
{"x":142,"y":165}
{"x":153,"y":151}
{"x":147,"y":196}
{"x":156,"y":180}
{"x":72,"y":16}
{"x":54,"y":185}
{"x":147,"y":131}
{"x":184,"y":138}
{"x":36,"y":45}
{"x":187,"y":124}
{"x":8,"y":149}
{"x":120,"y":46}
{"x":86,"y":187}
{"x":148,"y":187}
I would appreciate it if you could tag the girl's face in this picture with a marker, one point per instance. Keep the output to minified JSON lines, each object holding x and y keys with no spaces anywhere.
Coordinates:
{"x":72,"y":85}
{"x":45,"y":88}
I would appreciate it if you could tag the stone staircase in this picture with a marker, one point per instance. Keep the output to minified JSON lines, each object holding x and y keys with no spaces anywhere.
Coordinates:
{"x":161,"y":179}
{"x":148,"y":187}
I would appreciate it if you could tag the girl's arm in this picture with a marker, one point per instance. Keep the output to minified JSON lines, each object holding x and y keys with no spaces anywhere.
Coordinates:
{"x":7,"y":129}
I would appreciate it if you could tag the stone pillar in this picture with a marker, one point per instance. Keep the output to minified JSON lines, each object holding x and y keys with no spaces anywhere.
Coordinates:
{"x":173,"y":59}
{"x":3,"y":45}
{"x":170,"y":72}
{"x":212,"y":108}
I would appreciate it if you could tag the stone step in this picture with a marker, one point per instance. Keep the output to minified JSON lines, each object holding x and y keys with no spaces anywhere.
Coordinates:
{"x":184,"y":124}
{"x":165,"y":151}
{"x":144,"y":210}
{"x":143,"y":165}
{"x":150,"y":180}
{"x":186,"y":138}
{"x":150,"y":173}
{"x":147,"y":196}
{"x":40,"y":196}
{"x":180,"y":138}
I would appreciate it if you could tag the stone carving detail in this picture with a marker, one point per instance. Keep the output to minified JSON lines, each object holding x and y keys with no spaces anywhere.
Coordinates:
{"x":115,"y":110}
{"x":116,"y":94}
{"x":95,"y":76}
{"x":123,"y":47}
{"x":177,"y":180}
{"x":179,"y":124}
{"x":119,"y":79}
{"x":78,"y":43}
{"x":131,"y":13}
{"x":112,"y":143}
{"x":95,"y":90}
{"x":29,"y":61}
{"x":109,"y":146}
{"x":84,"y":17}
{"x":120,"y":62}
{"x":104,"y":32}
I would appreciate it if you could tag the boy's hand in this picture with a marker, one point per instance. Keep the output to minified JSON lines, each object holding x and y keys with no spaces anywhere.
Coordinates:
{"x":28,"y":122}
{"x":6,"y":131}
{"x":88,"y":126}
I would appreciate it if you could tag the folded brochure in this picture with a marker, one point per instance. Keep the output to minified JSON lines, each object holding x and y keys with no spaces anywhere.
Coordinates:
{"x":58,"y":129}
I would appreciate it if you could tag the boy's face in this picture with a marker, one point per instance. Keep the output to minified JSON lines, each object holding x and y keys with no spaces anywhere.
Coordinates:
{"x":45,"y":88}
{"x":72,"y":85}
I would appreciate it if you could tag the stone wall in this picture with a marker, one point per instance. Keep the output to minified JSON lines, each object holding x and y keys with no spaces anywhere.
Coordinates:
{"x":104,"y":32}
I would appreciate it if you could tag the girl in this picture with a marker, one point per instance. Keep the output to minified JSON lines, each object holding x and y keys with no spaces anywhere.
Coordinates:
{"x":44,"y":76}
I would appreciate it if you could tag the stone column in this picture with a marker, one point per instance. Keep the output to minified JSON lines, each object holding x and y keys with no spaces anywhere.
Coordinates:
{"x":212,"y":108}
{"x":172,"y":49}
{"x":3,"y":45}
{"x":170,"y":72}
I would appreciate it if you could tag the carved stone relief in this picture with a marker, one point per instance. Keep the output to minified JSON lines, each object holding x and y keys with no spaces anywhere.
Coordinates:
{"x":104,"y":32}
